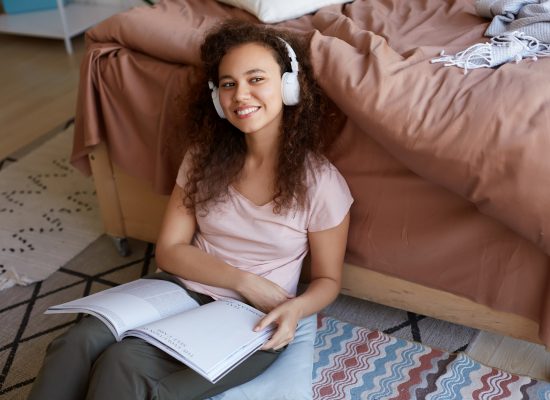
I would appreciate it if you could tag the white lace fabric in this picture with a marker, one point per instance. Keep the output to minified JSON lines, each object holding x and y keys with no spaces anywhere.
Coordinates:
{"x":507,"y":47}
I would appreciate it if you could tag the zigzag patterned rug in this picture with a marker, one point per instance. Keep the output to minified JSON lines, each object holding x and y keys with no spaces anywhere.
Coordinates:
{"x":355,"y":363}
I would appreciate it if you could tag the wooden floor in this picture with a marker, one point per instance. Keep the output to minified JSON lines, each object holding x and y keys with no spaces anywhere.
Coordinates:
{"x":38,"y":82}
{"x":512,"y":355}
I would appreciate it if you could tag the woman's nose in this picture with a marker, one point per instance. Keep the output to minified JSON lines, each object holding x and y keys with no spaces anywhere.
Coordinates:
{"x":242,"y":92}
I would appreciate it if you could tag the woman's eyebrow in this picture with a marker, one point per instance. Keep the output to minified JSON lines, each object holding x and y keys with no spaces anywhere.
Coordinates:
{"x":249,"y":72}
{"x":254,"y":71}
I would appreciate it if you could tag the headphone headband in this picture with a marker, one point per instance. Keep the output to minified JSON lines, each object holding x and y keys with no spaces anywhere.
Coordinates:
{"x":292,"y":55}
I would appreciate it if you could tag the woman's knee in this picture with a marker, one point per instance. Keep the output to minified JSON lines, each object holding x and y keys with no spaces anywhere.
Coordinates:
{"x":116,"y":358}
{"x":88,"y":337}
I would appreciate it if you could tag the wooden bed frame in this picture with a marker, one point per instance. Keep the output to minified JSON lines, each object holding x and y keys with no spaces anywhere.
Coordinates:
{"x":130,"y":209}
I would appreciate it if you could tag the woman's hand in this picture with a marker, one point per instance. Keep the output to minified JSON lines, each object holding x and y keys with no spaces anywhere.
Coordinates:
{"x":327,"y":255}
{"x":286,"y":317}
{"x":262,"y":293}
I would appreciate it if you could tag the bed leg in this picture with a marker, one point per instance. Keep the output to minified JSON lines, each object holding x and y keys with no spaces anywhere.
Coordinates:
{"x":108,"y":196}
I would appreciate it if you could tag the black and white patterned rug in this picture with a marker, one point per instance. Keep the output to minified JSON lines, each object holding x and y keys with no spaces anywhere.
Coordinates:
{"x":26,"y":331}
{"x":48,"y":212}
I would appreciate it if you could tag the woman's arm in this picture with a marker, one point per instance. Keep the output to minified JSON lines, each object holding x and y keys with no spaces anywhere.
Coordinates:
{"x":327,"y":249}
{"x":175,"y":254}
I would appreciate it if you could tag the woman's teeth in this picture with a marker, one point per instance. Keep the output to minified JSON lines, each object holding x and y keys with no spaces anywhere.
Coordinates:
{"x":247,"y":111}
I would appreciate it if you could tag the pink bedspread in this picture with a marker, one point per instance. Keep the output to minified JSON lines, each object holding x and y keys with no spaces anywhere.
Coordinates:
{"x":450,"y":172}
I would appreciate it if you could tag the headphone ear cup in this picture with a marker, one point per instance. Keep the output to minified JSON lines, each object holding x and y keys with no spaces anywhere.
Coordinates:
{"x":290,"y":88}
{"x":216,"y":101}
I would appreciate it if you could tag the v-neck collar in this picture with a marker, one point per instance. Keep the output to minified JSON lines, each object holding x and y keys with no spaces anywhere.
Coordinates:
{"x":234,"y":189}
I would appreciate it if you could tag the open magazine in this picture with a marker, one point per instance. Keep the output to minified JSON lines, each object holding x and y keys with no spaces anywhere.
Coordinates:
{"x":212,"y":339}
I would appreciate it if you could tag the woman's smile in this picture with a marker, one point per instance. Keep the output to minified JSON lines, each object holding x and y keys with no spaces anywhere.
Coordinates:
{"x":246,"y":112}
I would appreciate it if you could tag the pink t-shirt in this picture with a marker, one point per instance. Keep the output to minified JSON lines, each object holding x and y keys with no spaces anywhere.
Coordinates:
{"x":254,"y":239}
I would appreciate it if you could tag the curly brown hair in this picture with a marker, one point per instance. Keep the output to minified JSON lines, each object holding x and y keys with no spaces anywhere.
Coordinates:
{"x":219,"y":149}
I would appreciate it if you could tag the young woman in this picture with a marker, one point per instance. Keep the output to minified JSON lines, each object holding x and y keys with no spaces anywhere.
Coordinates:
{"x":253,"y":196}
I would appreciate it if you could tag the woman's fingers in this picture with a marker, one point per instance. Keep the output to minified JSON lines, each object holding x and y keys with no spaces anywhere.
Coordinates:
{"x":280,"y":339}
{"x":284,"y":334}
{"x":264,"y":322}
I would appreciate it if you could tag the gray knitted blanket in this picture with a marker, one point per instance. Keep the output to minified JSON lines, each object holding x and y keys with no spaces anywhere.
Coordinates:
{"x":532,"y":17}
{"x":519,"y":29}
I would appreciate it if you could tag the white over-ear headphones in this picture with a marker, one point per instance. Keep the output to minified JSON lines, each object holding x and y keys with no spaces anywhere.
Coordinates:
{"x":290,"y":87}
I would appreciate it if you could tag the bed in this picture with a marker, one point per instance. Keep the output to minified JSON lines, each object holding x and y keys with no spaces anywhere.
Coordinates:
{"x":450,"y":171}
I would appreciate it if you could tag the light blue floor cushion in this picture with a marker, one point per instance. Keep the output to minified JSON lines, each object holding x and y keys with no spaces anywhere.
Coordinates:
{"x":289,"y":377}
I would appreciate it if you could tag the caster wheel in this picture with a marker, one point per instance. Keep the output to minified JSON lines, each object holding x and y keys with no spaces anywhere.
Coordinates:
{"x":122,"y":246}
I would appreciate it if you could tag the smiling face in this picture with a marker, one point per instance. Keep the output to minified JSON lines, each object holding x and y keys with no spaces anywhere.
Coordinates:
{"x":250,"y":89}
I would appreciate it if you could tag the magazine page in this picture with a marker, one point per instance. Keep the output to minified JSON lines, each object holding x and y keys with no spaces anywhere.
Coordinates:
{"x":132,"y":304}
{"x":211,"y":339}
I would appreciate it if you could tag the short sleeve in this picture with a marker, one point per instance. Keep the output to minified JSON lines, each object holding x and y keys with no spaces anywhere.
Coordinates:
{"x":330,"y":199}
{"x":181,"y":179}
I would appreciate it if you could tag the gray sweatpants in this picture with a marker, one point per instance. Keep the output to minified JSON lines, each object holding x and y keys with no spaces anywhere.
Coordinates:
{"x":86,"y":362}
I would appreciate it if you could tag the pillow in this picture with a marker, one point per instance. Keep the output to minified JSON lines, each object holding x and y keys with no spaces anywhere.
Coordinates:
{"x":271,"y":11}
{"x":289,"y":377}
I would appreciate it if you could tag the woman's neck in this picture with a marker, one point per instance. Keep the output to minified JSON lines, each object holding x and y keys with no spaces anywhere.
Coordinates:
{"x":262,"y":150}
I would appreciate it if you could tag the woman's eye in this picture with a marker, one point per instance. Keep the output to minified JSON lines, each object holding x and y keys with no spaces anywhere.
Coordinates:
{"x":227,"y":84}
{"x":257,"y":79}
